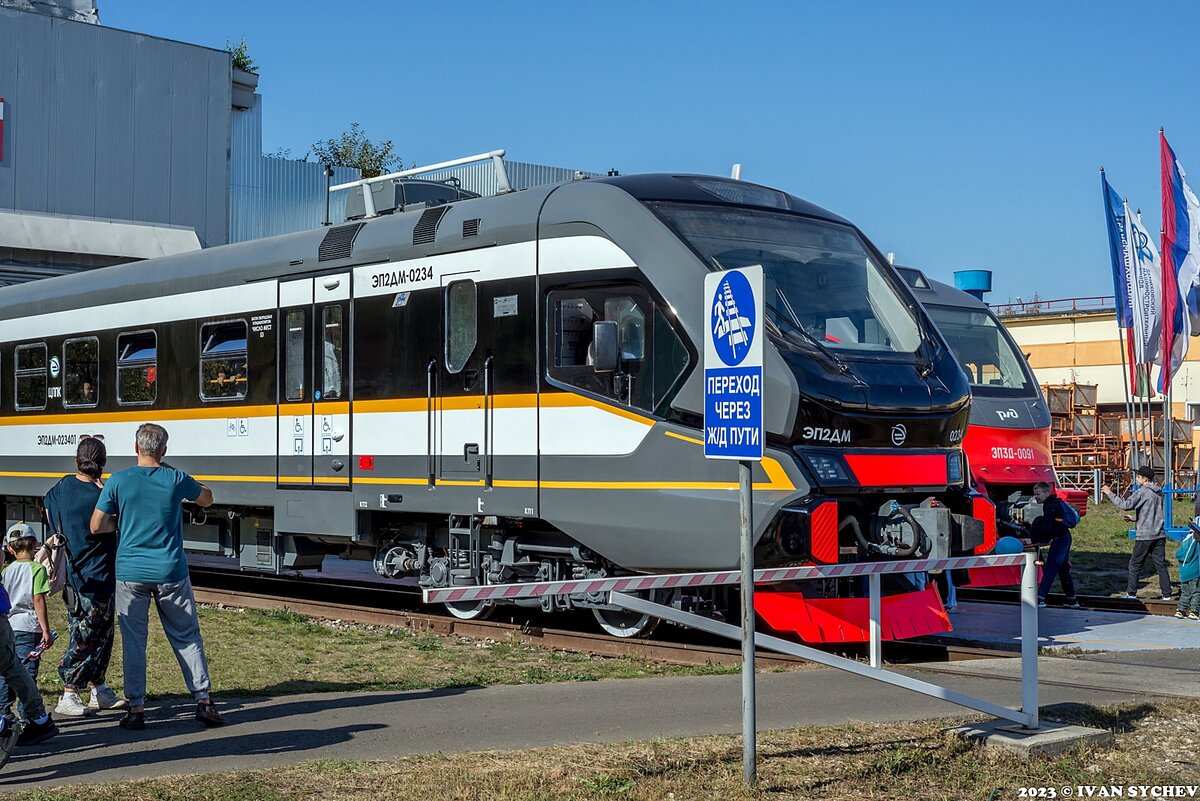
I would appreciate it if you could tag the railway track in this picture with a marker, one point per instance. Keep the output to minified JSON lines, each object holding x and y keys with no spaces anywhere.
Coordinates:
{"x":402,"y":608}
{"x":1099,"y":603}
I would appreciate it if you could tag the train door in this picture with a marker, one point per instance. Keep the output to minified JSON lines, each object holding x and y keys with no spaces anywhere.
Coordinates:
{"x":486,"y":392}
{"x":296,"y":384}
{"x":314,"y":407}
{"x":330,"y":422}
{"x":464,"y":384}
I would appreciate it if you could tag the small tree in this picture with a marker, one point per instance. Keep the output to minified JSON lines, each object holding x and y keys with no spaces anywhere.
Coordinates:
{"x":354,"y":149}
{"x":241,"y":55}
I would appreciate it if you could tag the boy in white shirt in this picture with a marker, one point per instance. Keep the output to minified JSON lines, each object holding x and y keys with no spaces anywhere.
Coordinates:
{"x":27,"y":585}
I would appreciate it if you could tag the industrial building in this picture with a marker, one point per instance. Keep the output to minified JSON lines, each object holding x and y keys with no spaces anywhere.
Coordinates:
{"x":117,"y":146}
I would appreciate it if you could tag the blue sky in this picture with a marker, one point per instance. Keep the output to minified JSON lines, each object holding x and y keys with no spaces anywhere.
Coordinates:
{"x":959,"y":135}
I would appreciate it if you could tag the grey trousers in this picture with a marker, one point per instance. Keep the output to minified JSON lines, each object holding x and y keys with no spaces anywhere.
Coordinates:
{"x":16,"y":676}
{"x":177,"y":611}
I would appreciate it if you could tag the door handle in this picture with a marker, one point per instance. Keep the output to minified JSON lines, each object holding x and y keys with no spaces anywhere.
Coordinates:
{"x":338,"y":436}
{"x":337,"y":465}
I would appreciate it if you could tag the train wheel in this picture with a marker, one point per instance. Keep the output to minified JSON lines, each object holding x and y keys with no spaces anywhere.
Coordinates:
{"x":629,"y":625}
{"x":473,"y":610}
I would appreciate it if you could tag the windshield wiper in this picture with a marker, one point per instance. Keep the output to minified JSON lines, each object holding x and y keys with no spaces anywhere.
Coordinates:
{"x":837,"y":361}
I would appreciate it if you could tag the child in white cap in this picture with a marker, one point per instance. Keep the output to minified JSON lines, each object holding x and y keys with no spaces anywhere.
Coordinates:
{"x":27,"y":586}
{"x":14,"y":677}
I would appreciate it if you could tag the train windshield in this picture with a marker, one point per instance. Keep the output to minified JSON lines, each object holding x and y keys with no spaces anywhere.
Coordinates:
{"x":986,"y":354}
{"x":823,"y":288}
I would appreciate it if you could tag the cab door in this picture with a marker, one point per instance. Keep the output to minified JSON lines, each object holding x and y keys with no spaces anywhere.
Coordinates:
{"x":462,"y":382}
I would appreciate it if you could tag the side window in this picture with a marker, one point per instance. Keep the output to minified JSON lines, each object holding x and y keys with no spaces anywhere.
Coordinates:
{"x":81,"y":371}
{"x":137,"y":367}
{"x":331,"y":348}
{"x":31,"y":380}
{"x":461,"y":324}
{"x":223,"y":360}
{"x":651,"y":356}
{"x":293,"y":356}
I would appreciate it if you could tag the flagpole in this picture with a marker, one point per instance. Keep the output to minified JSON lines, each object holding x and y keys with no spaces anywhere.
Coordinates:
{"x":1121,"y":337}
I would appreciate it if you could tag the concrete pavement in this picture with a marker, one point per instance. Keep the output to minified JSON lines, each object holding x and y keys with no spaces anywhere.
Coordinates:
{"x":263,"y":732}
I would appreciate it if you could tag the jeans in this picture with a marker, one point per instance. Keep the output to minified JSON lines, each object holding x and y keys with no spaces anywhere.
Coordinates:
{"x":14,"y":677}
{"x":177,"y":611}
{"x":90,"y":649}
{"x":1157,"y":550}
{"x":1189,"y":597}
{"x":1058,"y":565}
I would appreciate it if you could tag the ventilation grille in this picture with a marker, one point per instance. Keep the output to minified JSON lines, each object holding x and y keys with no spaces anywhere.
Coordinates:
{"x":471,"y":227}
{"x":339,"y":242}
{"x":426,"y":230}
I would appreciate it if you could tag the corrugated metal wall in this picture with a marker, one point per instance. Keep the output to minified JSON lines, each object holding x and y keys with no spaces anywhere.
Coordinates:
{"x":271,"y":196}
{"x":105,"y":123}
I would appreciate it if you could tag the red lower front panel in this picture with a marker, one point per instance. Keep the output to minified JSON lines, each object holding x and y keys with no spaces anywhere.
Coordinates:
{"x":818,"y":620}
{"x":894,"y":470}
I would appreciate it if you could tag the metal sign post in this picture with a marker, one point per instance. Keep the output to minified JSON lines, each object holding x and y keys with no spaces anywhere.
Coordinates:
{"x":733,"y":429}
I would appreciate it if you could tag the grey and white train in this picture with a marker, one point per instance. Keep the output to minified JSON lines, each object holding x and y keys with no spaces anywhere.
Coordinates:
{"x":506,"y":389}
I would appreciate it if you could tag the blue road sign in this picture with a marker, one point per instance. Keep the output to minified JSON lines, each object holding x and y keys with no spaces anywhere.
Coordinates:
{"x":733,"y":410}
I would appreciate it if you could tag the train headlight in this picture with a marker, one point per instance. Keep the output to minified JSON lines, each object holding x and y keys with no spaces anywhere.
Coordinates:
{"x":829,"y":469}
{"x":954,"y":468}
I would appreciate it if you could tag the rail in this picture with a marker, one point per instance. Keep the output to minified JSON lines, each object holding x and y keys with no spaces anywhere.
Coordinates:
{"x":1057,"y":306}
{"x":495,"y":156}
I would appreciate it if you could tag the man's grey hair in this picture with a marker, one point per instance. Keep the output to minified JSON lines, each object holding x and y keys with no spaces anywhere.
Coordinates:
{"x":151,"y":440}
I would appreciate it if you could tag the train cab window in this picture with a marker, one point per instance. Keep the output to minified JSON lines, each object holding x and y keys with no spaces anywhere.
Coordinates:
{"x":137,"y":367}
{"x":461,"y":324}
{"x":293,"y":356}
{"x":331,"y":333}
{"x":31,"y":380}
{"x":223,"y":373}
{"x":650,"y":354}
{"x":81,"y":369}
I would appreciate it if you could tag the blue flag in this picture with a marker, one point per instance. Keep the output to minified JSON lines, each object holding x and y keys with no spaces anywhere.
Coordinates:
{"x":1114,"y":215}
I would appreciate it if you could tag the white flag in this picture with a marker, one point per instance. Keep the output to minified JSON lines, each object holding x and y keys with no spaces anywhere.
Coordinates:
{"x":1145,"y":270}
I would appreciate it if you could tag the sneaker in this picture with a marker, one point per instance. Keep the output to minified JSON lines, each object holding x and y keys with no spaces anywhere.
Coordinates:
{"x":34,"y":733}
{"x":72,"y":706}
{"x":1041,"y":604}
{"x":1167,"y":598}
{"x":104,"y":698}
{"x":1128,"y":597}
{"x":1071,"y":603}
{"x":208,"y":715}
{"x":1179,"y":614}
{"x":1193,"y":616}
{"x":134,"y":721}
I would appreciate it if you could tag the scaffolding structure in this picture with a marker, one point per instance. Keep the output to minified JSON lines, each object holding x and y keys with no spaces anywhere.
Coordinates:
{"x":1084,"y":440}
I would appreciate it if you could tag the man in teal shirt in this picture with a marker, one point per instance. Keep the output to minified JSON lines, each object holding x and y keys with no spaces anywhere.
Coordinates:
{"x":144,"y":501}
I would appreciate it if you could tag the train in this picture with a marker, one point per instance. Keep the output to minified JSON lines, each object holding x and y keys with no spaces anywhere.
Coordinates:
{"x":485,"y":390}
{"x":1007,"y":444}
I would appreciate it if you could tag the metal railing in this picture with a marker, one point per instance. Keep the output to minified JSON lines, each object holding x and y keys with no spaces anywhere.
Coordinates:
{"x":1056,"y":306}
{"x":619,"y":591}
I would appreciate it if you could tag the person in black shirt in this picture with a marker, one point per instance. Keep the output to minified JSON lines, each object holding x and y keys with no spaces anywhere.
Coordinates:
{"x":1049,"y":528}
{"x":91,"y":579}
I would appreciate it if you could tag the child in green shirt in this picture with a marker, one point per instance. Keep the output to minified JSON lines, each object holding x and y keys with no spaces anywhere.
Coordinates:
{"x":27,"y":585}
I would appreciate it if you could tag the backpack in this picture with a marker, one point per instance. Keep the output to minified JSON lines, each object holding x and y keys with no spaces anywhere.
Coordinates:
{"x":1070,"y":517}
{"x":53,"y":556}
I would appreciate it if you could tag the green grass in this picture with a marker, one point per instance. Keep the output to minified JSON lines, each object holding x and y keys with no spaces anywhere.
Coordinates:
{"x":1100,"y":550}
{"x":261,"y":653}
{"x":911,"y":761}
